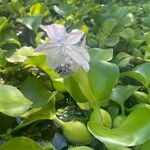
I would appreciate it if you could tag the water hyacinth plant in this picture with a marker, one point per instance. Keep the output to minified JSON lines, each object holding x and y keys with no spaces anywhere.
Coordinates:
{"x":86,"y":87}
{"x":65,"y":49}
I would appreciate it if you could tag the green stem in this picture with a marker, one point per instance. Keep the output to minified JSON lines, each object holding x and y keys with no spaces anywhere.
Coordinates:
{"x":122,"y":109}
{"x":148,"y":90}
{"x":58,"y":121}
{"x":82,"y":80}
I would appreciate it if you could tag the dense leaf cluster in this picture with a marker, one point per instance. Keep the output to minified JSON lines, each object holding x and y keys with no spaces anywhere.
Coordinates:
{"x":106,"y":108}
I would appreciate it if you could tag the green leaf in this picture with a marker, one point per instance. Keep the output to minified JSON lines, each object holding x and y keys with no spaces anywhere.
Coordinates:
{"x":146,"y":21}
{"x":37,"y":9}
{"x":147,"y":38}
{"x":101,"y":54}
{"x":44,"y":113}
{"x":123,"y":59}
{"x":145,"y":146}
{"x":108,"y":25}
{"x":80,"y":148}
{"x":137,"y":42}
{"x":73,"y":88}
{"x":32,"y":22}
{"x":112,"y":147}
{"x":2,"y":59}
{"x":102,"y":77}
{"x":40,"y":61}
{"x":12,"y":101}
{"x":140,"y":96}
{"x":146,"y":7}
{"x":118,"y":11}
{"x":127,"y":20}
{"x":8,"y":37}
{"x":58,"y":84}
{"x":20,"y":55}
{"x":121,"y":93}
{"x":112,"y":40}
{"x":3,"y":23}
{"x":34,"y":90}
{"x":97,"y":84}
{"x":22,"y":143}
{"x":14,"y":57}
{"x":131,"y":132}
{"x":127,"y":33}
{"x":141,"y":73}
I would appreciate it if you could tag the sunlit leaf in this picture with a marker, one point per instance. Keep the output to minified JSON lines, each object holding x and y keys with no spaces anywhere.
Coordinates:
{"x":101,"y":54}
{"x":22,"y":143}
{"x":34,"y":90}
{"x":12,"y":101}
{"x":131,"y":132}
{"x":99,"y":81}
{"x":121,"y":93}
{"x":32,"y":22}
{"x":140,"y":73}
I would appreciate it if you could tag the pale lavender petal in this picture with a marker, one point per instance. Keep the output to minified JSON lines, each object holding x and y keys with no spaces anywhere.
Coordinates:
{"x":56,"y":32}
{"x":81,"y":51}
{"x":55,"y":57}
{"x":45,"y":48}
{"x":78,"y":58}
{"x":83,"y":42}
{"x":74,"y":37}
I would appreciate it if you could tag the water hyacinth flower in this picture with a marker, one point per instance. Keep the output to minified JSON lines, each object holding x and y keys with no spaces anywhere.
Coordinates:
{"x":65,"y":49}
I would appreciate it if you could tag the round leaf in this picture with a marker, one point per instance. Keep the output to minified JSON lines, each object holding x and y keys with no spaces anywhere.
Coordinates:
{"x":141,"y":73}
{"x":121,"y":93}
{"x":21,"y":143}
{"x":112,"y":40}
{"x":12,"y":101}
{"x":101,"y":54}
{"x":34,"y":90}
{"x":131,"y":132}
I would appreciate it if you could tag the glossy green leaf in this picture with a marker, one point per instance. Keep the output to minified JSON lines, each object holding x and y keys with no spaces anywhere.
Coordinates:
{"x":123,"y":59}
{"x":32,"y":22}
{"x":108,"y":25}
{"x":21,"y":143}
{"x":140,"y":96}
{"x":131,"y":132}
{"x":146,"y":21}
{"x":12,"y":101}
{"x":58,"y":84}
{"x":127,"y":33}
{"x":98,"y":83}
{"x":112,"y":40}
{"x":147,"y":37}
{"x":121,"y":93}
{"x":101,"y":79}
{"x":44,"y":113}
{"x":141,"y":73}
{"x":80,"y":148}
{"x":13,"y":56}
{"x":40,"y":61}
{"x":101,"y":54}
{"x":3,"y":23}
{"x":34,"y":90}
{"x":2,"y":59}
{"x":36,"y":9}
{"x":9,"y":37}
{"x":126,"y":21}
{"x":146,"y":7}
{"x":116,"y":147}
{"x":118,"y":11}
{"x":144,"y":146}
{"x":73,"y":88}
